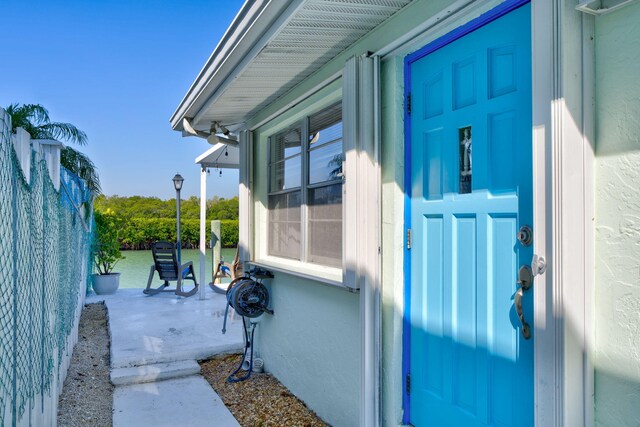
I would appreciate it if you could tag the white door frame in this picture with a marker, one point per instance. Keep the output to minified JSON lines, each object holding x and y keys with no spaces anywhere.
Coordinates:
{"x":562,"y":50}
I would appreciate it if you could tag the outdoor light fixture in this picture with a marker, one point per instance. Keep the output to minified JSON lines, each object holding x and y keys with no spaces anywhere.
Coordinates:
{"x":214,"y":139}
{"x":211,"y":137}
{"x":177,"y":183}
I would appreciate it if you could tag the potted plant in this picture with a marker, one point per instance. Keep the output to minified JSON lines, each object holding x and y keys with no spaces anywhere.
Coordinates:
{"x":106,"y":252}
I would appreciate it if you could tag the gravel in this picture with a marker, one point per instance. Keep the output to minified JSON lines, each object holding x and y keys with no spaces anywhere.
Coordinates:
{"x":87,"y":393}
{"x":260,"y":401}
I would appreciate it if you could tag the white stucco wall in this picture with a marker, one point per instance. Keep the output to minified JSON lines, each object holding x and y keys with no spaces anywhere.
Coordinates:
{"x":617,"y":308}
{"x":312,"y":345}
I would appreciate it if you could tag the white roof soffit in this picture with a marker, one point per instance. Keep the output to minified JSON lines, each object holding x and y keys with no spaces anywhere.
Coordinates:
{"x":271,"y":47}
{"x":221,"y":156}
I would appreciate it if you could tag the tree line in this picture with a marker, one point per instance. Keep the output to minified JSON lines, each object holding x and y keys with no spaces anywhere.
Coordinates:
{"x":149,"y":219}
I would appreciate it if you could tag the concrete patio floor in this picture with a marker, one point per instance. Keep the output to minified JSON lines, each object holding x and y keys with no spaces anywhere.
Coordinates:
{"x":165,"y":328}
{"x":155,"y":343}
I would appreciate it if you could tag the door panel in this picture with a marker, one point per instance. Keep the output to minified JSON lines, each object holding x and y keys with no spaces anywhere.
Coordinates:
{"x":471,"y":185}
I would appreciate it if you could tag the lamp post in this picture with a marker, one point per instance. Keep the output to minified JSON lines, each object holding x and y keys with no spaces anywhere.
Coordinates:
{"x":177,"y":183}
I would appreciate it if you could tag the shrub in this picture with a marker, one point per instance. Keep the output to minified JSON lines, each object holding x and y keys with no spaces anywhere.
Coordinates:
{"x":106,"y":248}
{"x":140,"y":233}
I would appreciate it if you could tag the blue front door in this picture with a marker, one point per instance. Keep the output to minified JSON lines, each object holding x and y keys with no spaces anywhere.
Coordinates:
{"x":470,"y":194}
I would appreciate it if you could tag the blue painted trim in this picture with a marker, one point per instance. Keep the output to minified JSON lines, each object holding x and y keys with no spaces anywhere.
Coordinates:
{"x":482,"y":20}
{"x":406,"y":323}
{"x":467,"y":28}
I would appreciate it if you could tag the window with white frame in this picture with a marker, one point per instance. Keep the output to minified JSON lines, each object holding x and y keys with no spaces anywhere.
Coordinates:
{"x":305,"y":190}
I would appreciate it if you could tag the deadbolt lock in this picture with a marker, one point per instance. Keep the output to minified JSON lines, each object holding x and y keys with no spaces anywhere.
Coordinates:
{"x":525,"y":235}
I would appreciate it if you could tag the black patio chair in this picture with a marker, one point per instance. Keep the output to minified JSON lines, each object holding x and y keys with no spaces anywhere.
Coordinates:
{"x":165,"y":262}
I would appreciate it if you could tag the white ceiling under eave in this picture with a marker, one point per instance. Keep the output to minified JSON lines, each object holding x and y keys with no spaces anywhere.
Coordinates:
{"x":315,"y":33}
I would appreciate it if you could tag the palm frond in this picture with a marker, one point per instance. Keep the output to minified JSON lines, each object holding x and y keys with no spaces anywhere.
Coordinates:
{"x":27,"y":116}
{"x":34,"y":118}
{"x":65,"y":132}
{"x":37,"y":114}
{"x":81,"y":165}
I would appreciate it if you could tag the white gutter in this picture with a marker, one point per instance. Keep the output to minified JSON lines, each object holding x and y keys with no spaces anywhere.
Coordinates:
{"x":253,"y":28}
{"x":244,"y":20}
{"x":249,"y":56}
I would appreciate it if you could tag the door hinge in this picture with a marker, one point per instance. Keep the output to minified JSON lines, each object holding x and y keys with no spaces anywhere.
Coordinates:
{"x":408,"y":103}
{"x":407,"y":383}
{"x":408,"y":238}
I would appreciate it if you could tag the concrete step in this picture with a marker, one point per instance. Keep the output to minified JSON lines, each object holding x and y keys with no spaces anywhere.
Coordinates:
{"x":155,"y":372}
{"x":188,"y":401}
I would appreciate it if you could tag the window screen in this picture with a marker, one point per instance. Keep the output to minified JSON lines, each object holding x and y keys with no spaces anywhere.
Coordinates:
{"x":324,"y":195}
{"x":284,"y":225}
{"x":325,"y":225}
{"x":305,"y":203}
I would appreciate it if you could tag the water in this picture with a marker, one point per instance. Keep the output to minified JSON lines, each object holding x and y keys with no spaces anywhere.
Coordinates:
{"x":135,"y":267}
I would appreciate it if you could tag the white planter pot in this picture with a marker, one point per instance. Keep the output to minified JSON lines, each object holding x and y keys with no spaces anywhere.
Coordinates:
{"x":104,"y":284}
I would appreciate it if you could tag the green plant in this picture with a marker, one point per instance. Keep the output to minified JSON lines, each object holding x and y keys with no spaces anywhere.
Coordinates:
{"x":34,"y":118}
{"x":106,"y":252}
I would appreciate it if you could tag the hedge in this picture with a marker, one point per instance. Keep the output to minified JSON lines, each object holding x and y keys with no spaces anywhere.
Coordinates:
{"x":140,"y":233}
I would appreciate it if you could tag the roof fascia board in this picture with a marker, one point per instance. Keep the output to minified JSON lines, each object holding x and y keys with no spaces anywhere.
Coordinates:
{"x":213,"y":158}
{"x":218,"y":147}
{"x":206,"y":154}
{"x":247,"y":58}
{"x":234,"y":34}
{"x":242,"y":40}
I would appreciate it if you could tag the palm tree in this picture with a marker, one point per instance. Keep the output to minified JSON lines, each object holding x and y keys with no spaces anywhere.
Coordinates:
{"x":34,"y":118}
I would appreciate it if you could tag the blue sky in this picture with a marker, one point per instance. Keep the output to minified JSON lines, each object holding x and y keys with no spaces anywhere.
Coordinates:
{"x":117,"y":69}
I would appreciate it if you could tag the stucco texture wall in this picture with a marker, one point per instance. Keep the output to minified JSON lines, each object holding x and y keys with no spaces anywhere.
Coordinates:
{"x":617,"y":308}
{"x":312,"y":345}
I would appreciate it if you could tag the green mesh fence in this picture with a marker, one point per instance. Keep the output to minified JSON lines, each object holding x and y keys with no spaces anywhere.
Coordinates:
{"x":44,"y":265}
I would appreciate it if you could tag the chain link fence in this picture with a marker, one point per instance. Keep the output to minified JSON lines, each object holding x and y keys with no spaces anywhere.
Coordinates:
{"x":45,"y":244}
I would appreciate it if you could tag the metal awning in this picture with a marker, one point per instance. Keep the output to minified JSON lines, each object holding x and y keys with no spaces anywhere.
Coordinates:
{"x":270,"y":48}
{"x":220,"y":156}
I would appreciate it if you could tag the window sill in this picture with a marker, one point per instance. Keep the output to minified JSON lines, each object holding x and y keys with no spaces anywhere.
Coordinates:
{"x":326,"y":275}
